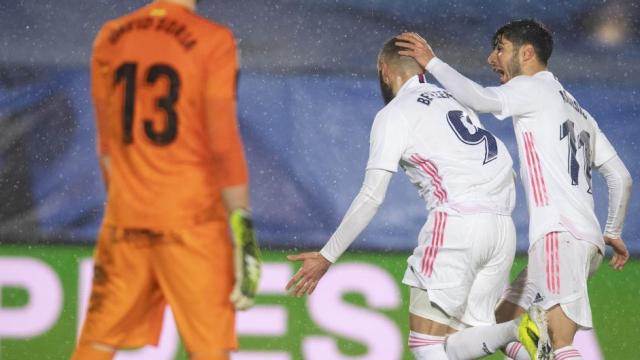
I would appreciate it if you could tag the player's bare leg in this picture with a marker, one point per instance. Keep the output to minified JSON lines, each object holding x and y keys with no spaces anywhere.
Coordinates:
{"x":562,"y":331}
{"x":561,"y":328}
{"x":429,"y":326}
{"x":427,"y":337}
{"x":507,"y":311}
{"x":88,"y":350}
{"x":426,"y":326}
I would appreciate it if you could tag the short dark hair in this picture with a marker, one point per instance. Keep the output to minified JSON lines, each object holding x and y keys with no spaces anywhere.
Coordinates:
{"x":527,"y":31}
{"x":389,"y":54}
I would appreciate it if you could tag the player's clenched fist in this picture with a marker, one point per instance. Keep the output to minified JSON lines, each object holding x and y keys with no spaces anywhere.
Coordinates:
{"x":416,"y":47}
{"x":247,"y":260}
{"x":314,"y":266}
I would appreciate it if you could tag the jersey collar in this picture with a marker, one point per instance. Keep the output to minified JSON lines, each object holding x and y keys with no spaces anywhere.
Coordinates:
{"x":413,"y":82}
{"x":545,"y":74}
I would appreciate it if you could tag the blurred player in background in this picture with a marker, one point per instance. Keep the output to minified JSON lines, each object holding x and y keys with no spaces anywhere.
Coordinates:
{"x":164,"y":88}
{"x":464,"y":173}
{"x":559,"y":143}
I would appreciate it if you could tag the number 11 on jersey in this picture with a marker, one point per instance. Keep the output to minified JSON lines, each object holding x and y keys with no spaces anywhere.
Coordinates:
{"x":567,"y":129}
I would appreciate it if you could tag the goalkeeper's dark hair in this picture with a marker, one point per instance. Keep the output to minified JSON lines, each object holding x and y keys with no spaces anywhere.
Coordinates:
{"x":527,"y":31}
{"x":389,"y":54}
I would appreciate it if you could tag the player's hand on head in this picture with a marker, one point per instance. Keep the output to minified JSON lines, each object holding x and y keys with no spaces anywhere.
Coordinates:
{"x":314,"y":266}
{"x":416,"y":47}
{"x":620,"y":252}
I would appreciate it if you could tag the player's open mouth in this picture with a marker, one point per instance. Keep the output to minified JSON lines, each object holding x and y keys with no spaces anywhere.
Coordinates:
{"x":499,"y":72}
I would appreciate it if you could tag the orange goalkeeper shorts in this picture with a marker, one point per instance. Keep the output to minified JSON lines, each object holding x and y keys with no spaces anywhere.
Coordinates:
{"x":138,"y":271}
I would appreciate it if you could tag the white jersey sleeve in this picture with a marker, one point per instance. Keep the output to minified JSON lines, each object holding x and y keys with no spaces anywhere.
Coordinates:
{"x":389,"y":139}
{"x":603,"y":149}
{"x":480,"y":99}
{"x":516,"y":97}
{"x":619,"y":183}
{"x":360,"y":213}
{"x":606,"y":161}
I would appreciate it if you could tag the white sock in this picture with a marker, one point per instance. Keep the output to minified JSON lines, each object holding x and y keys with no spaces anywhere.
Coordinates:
{"x":427,"y":347}
{"x":516,"y":351}
{"x":566,"y":353}
{"x":479,"y":341}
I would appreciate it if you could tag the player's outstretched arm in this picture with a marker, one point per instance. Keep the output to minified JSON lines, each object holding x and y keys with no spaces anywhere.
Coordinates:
{"x":314,"y":266}
{"x":360,"y":213}
{"x":468,"y":92}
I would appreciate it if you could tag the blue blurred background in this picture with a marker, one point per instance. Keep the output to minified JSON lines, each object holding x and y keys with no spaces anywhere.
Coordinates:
{"x":308,"y":93}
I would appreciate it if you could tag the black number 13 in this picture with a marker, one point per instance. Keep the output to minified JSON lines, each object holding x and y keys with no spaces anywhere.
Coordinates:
{"x":127,"y":73}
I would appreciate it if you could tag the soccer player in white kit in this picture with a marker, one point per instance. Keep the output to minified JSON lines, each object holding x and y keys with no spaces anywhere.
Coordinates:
{"x":464,"y":173}
{"x":559,"y":144}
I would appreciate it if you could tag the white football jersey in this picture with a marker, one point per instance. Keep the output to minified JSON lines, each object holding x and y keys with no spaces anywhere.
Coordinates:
{"x":558,"y":143}
{"x":441,"y":145}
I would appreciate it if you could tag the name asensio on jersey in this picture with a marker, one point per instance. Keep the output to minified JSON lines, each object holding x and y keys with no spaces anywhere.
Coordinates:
{"x":427,"y":97}
{"x":574,"y":104}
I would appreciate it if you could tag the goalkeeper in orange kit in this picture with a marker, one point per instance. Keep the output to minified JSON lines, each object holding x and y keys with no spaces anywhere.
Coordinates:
{"x":164,"y":89}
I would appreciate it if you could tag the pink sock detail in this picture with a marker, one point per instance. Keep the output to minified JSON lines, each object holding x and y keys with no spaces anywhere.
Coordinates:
{"x":416,"y":339}
{"x":512,"y":350}
{"x":567,"y":353}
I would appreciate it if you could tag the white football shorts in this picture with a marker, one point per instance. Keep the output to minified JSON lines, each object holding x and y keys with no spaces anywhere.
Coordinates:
{"x":557,"y":272}
{"x":463,"y":262}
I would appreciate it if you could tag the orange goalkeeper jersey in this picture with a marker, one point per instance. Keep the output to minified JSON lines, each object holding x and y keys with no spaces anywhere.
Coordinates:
{"x":164,"y":88}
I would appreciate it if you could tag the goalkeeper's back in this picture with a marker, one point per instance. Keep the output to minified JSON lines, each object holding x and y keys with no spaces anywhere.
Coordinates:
{"x":164,"y":87}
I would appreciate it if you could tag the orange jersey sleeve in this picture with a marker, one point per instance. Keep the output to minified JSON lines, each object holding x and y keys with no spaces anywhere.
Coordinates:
{"x":163,"y":83}
{"x":220,"y":104}
{"x":100,"y":88}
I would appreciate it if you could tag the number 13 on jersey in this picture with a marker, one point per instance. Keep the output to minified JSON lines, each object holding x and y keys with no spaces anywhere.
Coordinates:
{"x":127,"y":72}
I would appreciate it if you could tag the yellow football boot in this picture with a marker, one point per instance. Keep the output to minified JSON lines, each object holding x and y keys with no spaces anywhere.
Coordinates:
{"x":533,"y":334}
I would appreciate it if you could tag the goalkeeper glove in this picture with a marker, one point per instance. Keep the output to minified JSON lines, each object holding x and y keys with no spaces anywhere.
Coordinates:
{"x":247,"y":259}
